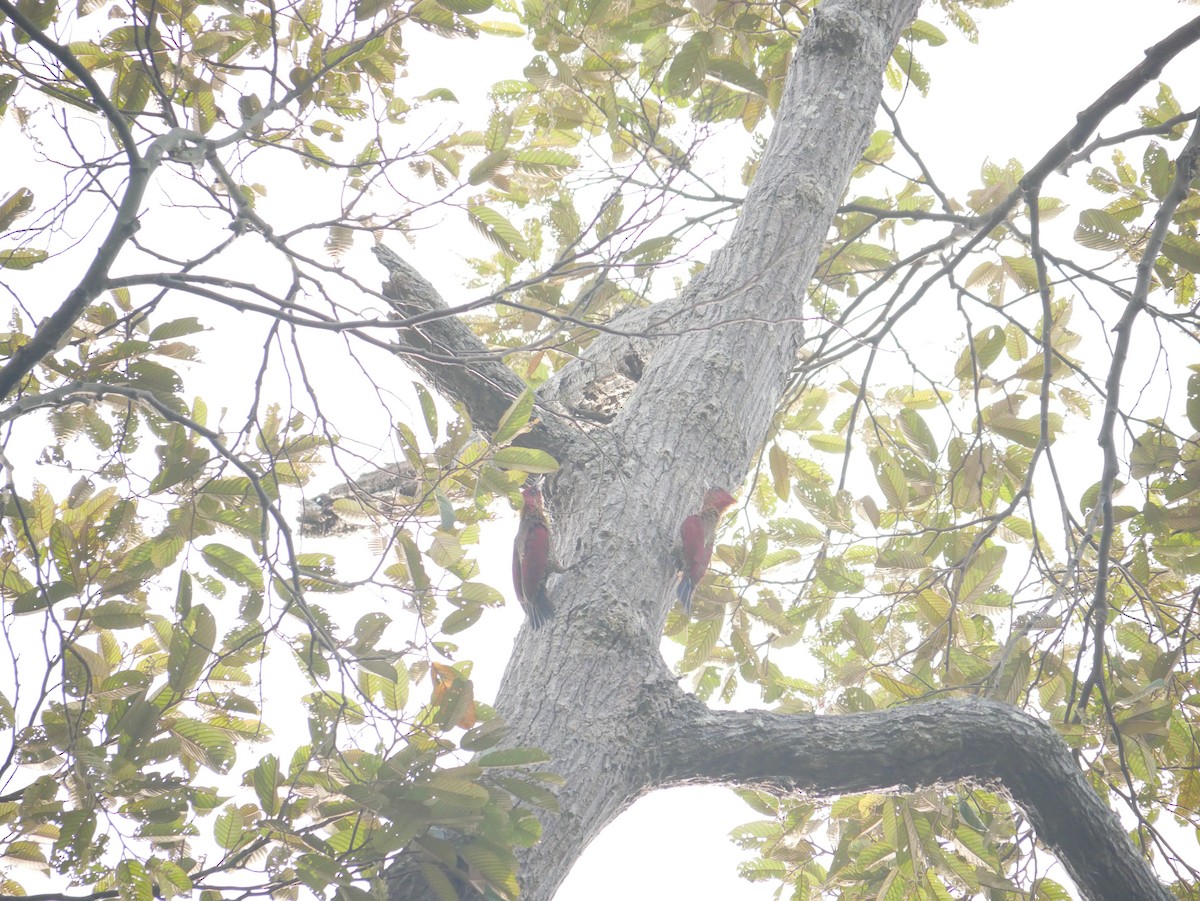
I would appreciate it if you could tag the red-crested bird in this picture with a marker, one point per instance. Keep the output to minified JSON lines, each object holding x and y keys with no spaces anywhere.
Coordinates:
{"x":697,"y":535}
{"x":531,"y":553}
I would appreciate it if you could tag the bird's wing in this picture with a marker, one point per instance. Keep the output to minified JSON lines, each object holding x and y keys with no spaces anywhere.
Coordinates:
{"x":516,"y":566}
{"x":535,"y":552}
{"x":694,"y":559}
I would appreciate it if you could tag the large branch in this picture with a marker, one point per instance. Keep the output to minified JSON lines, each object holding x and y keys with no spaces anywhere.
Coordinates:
{"x":485,"y":387}
{"x":435,"y":342}
{"x":923,"y":745}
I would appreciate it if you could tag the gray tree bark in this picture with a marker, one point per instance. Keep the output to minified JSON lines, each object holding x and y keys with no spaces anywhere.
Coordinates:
{"x":591,"y":688}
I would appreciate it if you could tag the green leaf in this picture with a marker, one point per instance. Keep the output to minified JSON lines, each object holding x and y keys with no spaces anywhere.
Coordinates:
{"x":515,"y":418}
{"x":444,"y":93}
{"x":204,"y":108}
{"x":238,"y":488}
{"x":205,"y":744}
{"x":230,"y":828}
{"x":1100,"y":230}
{"x":702,"y":638}
{"x":1092,"y":494}
{"x":1025,"y":432}
{"x":353,"y":893}
{"x":25,"y":853}
{"x":461,"y":619}
{"x":735,"y":74}
{"x":172,"y":879}
{"x":40,"y":597}
{"x":446,"y":549}
{"x":412,"y":557}
{"x":119,"y":615}
{"x":796,"y":532}
{"x":918,"y":434}
{"x":133,"y":882}
{"x":983,"y":350}
{"x":891,"y":479}
{"x":901,"y":560}
{"x":395,"y":693}
{"x":1182,"y":251}
{"x":1159,"y":169}
{"x":1016,"y":344}
{"x":21,"y":258}
{"x":1193,"y":400}
{"x":486,"y":735}
{"x":311,"y":154}
{"x":499,"y":231}
{"x":981,"y":573}
{"x":443,"y":889}
{"x":12,"y":583}
{"x":233,"y":565}
{"x":485,"y":169}
{"x":497,"y":865}
{"x":75,"y":840}
{"x":499,"y":131}
{"x":428,"y":409}
{"x":131,"y":89}
{"x":158,"y":379}
{"x":445,"y":509}
{"x":451,"y":790}
{"x":921,"y":30}
{"x":500,"y":29}
{"x":530,"y":792}
{"x":176,"y":328}
{"x":830,"y":444}
{"x":781,"y":476}
{"x":652,"y":250}
{"x":366,"y":9}
{"x":466,"y":7}
{"x":193,"y":642}
{"x":911,"y":68}
{"x":896,"y":687}
{"x":7,"y":713}
{"x":690,"y":65}
{"x":513,"y":757}
{"x":525,"y":459}
{"x":14,"y":206}
{"x":839,"y":577}
{"x":266,"y":783}
{"x":8,"y":87}
{"x":549,"y":163}
{"x":1188,"y":210}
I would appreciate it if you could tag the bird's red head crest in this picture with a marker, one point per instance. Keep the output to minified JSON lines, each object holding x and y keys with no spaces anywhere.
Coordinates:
{"x":532,"y":495}
{"x":717,"y":499}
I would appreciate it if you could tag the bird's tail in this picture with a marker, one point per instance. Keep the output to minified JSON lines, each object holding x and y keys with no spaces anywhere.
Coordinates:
{"x":684,"y":589}
{"x":540,"y":610}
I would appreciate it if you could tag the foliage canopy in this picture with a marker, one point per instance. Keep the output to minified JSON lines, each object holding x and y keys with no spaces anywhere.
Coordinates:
{"x":921,"y":522}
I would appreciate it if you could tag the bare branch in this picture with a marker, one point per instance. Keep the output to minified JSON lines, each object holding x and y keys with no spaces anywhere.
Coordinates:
{"x":1185,"y":168}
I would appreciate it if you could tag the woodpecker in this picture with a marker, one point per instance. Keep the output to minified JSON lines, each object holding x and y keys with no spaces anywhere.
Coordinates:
{"x":531,"y":552}
{"x":697,"y":535}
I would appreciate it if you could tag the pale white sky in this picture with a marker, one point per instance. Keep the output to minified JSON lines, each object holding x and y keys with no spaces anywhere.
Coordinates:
{"x":1037,"y":64}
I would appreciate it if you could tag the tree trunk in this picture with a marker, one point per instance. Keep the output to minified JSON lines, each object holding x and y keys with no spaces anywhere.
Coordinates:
{"x":591,"y":687}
